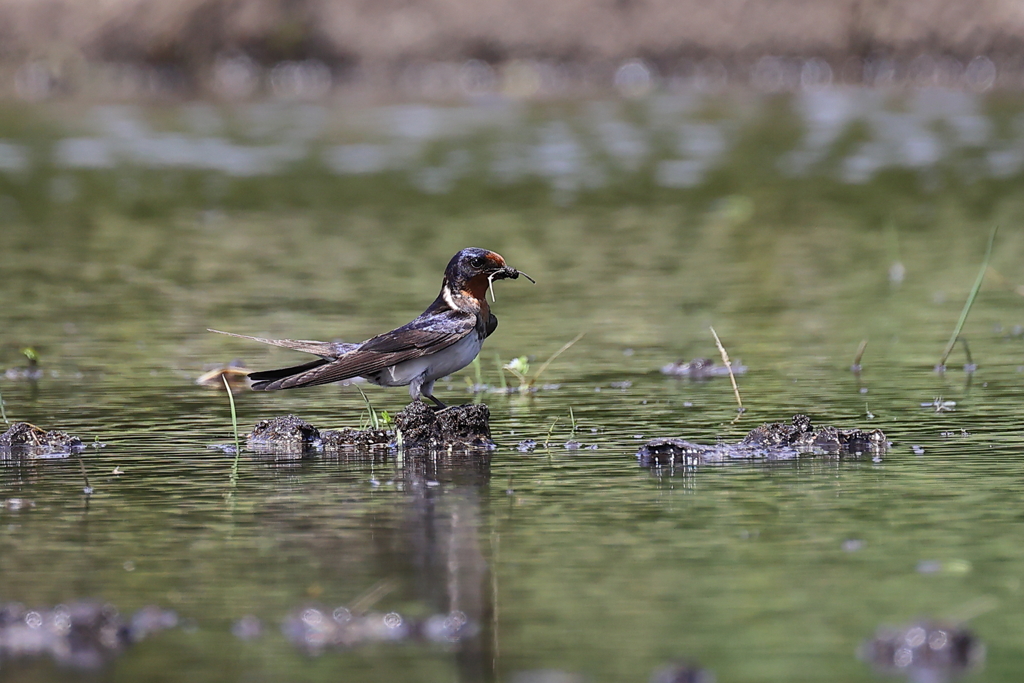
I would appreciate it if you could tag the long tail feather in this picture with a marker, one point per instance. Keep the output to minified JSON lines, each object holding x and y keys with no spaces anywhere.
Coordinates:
{"x":268,"y":380}
{"x":318,"y":348}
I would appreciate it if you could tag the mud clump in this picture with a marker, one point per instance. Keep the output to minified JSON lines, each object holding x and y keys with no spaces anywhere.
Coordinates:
{"x":293,"y":436}
{"x":924,"y":651}
{"x":26,"y":439}
{"x":419,"y":427}
{"x":457,"y":426}
{"x":82,"y":635}
{"x":770,"y":441}
{"x":287,"y":434}
{"x":802,"y":436}
{"x":356,"y":439}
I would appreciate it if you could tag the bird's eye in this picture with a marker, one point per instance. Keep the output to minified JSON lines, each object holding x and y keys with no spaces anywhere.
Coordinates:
{"x":477,"y":261}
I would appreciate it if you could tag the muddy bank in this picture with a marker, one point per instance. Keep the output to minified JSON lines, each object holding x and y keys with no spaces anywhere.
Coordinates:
{"x":416,"y":428}
{"x":770,"y":441}
{"x":197,"y":45}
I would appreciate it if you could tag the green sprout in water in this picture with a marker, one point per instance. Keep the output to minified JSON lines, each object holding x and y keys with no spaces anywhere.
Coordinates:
{"x":32,"y":355}
{"x":374,"y":418}
{"x":234,"y":427}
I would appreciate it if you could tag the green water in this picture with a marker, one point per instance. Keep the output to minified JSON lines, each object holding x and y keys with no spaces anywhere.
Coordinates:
{"x":574,"y":561}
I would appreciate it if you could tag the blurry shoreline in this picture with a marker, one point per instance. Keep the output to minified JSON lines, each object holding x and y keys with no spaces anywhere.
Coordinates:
{"x":310,"y":49}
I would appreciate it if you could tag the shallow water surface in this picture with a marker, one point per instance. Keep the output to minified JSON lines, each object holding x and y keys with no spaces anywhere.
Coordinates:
{"x":797,"y":228}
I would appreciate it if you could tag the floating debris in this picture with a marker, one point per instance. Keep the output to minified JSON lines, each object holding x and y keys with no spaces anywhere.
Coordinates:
{"x":16,"y":504}
{"x":83,"y":635}
{"x":682,"y":672}
{"x":527,"y":446}
{"x":924,"y":651}
{"x":25,"y":439}
{"x":247,"y":628}
{"x":315,"y":628}
{"x":940,"y":406}
{"x":770,"y":441}
{"x":31,"y":372}
{"x":236,"y":373}
{"x":700,"y":368}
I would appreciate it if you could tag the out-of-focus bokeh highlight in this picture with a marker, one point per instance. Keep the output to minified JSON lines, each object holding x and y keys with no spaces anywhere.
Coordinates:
{"x":312,"y":49}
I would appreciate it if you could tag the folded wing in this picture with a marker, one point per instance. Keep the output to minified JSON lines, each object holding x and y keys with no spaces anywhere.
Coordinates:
{"x":419,"y":338}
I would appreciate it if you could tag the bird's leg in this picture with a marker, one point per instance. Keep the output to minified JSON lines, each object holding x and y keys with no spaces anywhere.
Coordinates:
{"x":440,"y":406}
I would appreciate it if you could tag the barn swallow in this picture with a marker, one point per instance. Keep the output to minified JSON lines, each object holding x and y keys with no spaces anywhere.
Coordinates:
{"x":443,"y":339}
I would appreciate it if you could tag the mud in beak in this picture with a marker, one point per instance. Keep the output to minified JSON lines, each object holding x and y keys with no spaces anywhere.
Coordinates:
{"x":505,"y":273}
{"x":510,"y":273}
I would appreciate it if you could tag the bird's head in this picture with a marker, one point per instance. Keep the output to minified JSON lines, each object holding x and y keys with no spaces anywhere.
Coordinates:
{"x":472,"y":270}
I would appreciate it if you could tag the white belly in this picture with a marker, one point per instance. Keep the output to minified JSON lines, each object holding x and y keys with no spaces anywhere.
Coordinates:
{"x":428,"y":368}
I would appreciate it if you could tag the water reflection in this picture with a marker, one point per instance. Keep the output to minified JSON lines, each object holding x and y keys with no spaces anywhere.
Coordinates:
{"x":430,"y":553}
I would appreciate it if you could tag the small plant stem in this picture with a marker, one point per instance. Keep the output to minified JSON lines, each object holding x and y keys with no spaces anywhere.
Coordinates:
{"x":3,"y":411}
{"x":967,"y":352}
{"x":501,"y":374}
{"x":372,"y":595}
{"x":857,"y":356}
{"x":556,"y":354}
{"x":374,"y":422}
{"x":728,"y":366}
{"x":85,"y":477}
{"x":234,"y":428}
{"x":547,"y":439}
{"x":572,"y":418}
{"x":970,"y":300}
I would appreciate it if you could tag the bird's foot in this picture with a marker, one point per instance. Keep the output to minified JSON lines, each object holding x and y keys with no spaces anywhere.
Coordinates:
{"x":438,"y":405}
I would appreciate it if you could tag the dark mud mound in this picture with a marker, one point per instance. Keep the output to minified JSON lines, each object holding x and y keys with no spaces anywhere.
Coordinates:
{"x":83,"y":635}
{"x":355,"y":439}
{"x":418,"y":426}
{"x":454,"y":427}
{"x":924,"y":651}
{"x":26,"y":439}
{"x":283,"y":435}
{"x":770,"y":441}
{"x":292,"y":436}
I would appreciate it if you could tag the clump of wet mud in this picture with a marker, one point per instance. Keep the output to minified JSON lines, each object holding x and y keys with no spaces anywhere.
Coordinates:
{"x":26,"y":439}
{"x":700,"y":368}
{"x":314,"y":628}
{"x":291,"y":435}
{"x":418,"y":427}
{"x":457,"y":426}
{"x":83,"y":635}
{"x":924,"y":651}
{"x":770,"y":441}
{"x":287,"y":434}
